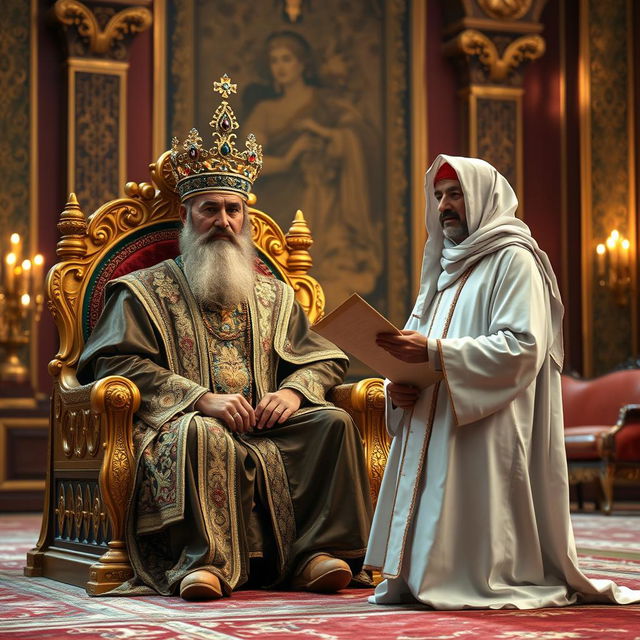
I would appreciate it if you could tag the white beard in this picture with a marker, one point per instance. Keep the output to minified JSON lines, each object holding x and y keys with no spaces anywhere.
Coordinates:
{"x":220,"y":272}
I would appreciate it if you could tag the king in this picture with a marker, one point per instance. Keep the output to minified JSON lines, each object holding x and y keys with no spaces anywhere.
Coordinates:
{"x":246,"y":474}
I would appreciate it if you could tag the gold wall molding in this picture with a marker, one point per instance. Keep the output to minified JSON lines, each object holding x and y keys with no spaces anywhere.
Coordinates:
{"x":98,"y":35}
{"x":8,"y":424}
{"x":100,"y":30}
{"x":505,"y":9}
{"x":498,"y":67}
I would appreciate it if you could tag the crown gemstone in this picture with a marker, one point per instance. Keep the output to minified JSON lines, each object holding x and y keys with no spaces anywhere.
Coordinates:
{"x":225,"y":123}
{"x":193,"y":152}
{"x":225,"y":149}
{"x":252,"y":158}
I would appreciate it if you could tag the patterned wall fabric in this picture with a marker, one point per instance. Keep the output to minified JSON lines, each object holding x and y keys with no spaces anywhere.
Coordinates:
{"x":97,"y":122}
{"x":15,"y":78}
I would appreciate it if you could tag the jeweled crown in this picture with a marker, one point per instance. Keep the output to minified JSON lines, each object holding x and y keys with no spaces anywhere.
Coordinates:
{"x":222,"y":167}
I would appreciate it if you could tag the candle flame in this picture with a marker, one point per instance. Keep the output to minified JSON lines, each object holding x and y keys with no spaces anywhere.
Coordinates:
{"x":26,"y":265}
{"x":25,"y":299}
{"x":15,"y":238}
{"x":38,"y":259}
{"x":600,"y":249}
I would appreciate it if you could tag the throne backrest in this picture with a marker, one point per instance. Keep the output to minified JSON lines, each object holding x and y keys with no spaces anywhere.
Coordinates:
{"x":141,"y":230}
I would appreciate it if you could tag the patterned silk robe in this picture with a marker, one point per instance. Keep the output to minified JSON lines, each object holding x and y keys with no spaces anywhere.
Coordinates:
{"x":209,"y":498}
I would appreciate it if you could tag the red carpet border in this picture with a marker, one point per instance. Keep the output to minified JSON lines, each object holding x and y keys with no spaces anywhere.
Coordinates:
{"x":40,"y":609}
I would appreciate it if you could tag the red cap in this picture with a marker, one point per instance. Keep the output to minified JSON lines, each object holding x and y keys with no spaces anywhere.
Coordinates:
{"x":445,"y":172}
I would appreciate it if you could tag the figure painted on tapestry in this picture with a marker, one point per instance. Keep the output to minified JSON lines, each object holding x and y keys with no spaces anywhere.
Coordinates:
{"x":322,"y":156}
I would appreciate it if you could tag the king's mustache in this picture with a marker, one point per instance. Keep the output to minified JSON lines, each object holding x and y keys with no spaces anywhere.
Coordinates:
{"x":450,"y":214}
{"x":216,"y":234}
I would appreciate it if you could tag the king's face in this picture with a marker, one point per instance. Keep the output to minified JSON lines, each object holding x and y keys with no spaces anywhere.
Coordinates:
{"x":219,"y":214}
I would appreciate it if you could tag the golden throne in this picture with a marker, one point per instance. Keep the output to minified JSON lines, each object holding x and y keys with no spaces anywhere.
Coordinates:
{"x":90,"y":466}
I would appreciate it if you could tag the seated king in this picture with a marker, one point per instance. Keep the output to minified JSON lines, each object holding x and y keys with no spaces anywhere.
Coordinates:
{"x":245,"y":474}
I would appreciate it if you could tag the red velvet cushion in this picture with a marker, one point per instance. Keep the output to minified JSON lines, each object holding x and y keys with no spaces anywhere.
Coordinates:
{"x":598,"y":401}
{"x":584,"y":443}
{"x":628,"y":443}
{"x":145,"y":256}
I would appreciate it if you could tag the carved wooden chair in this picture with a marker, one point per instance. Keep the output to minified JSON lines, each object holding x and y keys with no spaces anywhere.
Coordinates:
{"x":602,"y":432}
{"x":90,"y":470}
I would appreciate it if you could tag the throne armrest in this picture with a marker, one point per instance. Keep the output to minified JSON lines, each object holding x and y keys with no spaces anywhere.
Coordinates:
{"x":364,"y":401}
{"x":96,"y":421}
{"x":629,"y":413}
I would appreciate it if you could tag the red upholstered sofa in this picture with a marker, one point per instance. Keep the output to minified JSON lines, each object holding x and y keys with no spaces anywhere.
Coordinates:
{"x":602,"y":431}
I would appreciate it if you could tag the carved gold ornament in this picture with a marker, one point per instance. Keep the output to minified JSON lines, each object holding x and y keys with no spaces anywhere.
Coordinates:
{"x":505,"y":9}
{"x":523,"y":49}
{"x":127,"y":22}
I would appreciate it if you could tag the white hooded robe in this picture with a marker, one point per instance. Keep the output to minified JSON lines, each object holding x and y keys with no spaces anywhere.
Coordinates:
{"x":473,"y":511}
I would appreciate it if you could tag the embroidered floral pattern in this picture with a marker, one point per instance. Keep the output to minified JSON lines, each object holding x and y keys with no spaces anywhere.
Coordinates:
{"x":217,"y":482}
{"x":158,"y":480}
{"x":268,"y":298}
{"x":308,"y":382}
{"x":230,"y":351}
{"x":171,"y":393}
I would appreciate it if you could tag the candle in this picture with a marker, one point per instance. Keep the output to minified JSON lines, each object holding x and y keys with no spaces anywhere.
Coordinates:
{"x":16,"y":246}
{"x":624,"y":256}
{"x":26,"y":275}
{"x":600,"y":251}
{"x":9,"y":272}
{"x":612,"y":249}
{"x":38,"y":274}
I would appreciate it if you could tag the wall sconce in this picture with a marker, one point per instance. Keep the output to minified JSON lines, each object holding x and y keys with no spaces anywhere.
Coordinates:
{"x":614,"y":268}
{"x":21,"y":299}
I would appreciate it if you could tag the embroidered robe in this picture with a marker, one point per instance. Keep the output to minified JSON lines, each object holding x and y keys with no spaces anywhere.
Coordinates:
{"x":208,"y":498}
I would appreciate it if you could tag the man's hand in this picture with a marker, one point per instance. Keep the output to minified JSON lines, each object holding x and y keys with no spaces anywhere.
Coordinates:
{"x":410,"y":346}
{"x":277,"y":407}
{"x":403,"y":396}
{"x":231,"y":408}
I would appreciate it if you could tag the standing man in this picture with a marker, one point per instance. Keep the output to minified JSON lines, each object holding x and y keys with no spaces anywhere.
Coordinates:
{"x":473,"y":510}
{"x":245,"y":473}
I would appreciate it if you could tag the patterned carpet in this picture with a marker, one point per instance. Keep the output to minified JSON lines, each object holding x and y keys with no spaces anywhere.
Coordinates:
{"x":40,"y":609}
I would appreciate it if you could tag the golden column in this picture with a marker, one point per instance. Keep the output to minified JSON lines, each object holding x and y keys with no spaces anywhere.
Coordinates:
{"x":491,"y":41}
{"x":98,"y":35}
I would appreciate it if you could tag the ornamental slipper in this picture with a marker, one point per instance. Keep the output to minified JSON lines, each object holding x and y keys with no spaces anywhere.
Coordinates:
{"x":323,"y":573}
{"x":200,"y":585}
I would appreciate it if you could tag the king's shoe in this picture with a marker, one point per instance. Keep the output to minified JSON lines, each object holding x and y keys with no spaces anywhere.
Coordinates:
{"x":322,"y":573}
{"x":200,"y":585}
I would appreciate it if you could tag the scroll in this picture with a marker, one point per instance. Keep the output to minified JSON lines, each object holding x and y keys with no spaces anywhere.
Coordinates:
{"x":354,"y":325}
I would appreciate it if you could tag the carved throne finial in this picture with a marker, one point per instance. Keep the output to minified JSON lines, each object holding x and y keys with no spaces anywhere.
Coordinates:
{"x":72,"y":227}
{"x":298,"y":241}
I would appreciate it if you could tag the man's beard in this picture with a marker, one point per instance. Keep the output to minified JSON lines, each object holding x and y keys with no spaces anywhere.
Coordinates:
{"x":218,"y":265}
{"x":456,"y":233}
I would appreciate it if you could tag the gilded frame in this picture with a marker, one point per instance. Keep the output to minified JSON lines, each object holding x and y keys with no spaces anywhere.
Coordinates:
{"x":405,"y":148}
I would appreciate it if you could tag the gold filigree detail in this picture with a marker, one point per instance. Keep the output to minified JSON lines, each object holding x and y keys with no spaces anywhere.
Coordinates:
{"x":121,"y":25}
{"x":505,"y":9}
{"x":364,"y":401}
{"x":498,"y":67}
{"x":118,"y":397}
